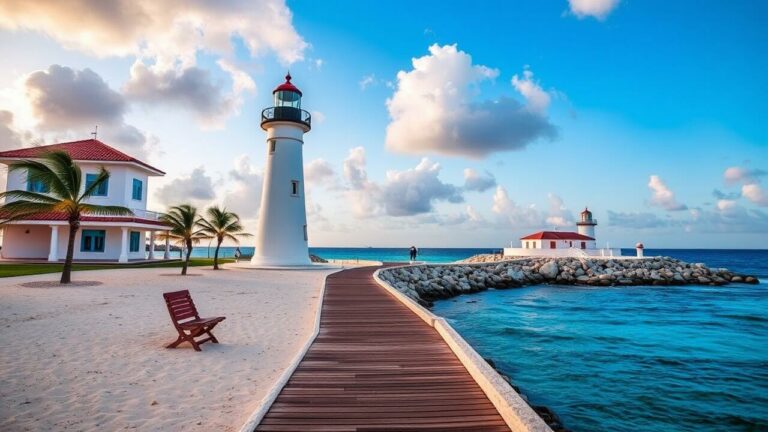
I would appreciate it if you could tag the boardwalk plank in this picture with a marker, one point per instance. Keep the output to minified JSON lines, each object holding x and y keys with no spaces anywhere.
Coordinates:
{"x":375,"y":367}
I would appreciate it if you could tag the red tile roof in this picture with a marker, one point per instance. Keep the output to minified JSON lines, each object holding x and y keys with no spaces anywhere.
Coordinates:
{"x":556,"y":235}
{"x":84,"y":150}
{"x":60,"y":216}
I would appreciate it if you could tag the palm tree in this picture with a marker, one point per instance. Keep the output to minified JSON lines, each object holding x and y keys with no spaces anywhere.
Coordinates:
{"x":221,"y":225}
{"x":184,"y":222}
{"x":63,"y":179}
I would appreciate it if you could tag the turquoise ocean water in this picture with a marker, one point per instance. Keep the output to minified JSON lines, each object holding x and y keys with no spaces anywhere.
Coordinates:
{"x":692,"y":358}
{"x":375,"y":254}
{"x":674,"y":359}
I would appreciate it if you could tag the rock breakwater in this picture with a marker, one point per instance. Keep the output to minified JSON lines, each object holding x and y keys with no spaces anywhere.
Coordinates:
{"x":427,"y":283}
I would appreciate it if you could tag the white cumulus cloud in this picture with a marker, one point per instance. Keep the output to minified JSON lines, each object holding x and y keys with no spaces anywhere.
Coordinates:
{"x":318,"y":172}
{"x":559,"y":215}
{"x":166,"y":37}
{"x":595,"y":8}
{"x":244,"y":198}
{"x":434,"y":109}
{"x":739,"y":175}
{"x":513,"y":214}
{"x":479,"y":182}
{"x":169,"y":31}
{"x":66,"y":100}
{"x":538,"y":99}
{"x":662,"y":196}
{"x":195,"y":188}
{"x":403,"y":193}
{"x":755,"y":193}
{"x":749,"y":179}
{"x":413,"y":191}
{"x":191,"y":89}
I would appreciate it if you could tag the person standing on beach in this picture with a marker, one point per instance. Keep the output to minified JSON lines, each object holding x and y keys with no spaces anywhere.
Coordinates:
{"x":237,"y":254}
{"x":414,"y":252}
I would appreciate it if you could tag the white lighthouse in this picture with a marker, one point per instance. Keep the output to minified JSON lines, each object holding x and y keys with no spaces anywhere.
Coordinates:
{"x":586,"y":225}
{"x":281,"y":239}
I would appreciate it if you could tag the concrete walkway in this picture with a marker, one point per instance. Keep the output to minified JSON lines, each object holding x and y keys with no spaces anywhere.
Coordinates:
{"x":375,"y":366}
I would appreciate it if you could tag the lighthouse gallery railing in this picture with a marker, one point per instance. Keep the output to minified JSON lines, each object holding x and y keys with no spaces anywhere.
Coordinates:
{"x":286,"y":114}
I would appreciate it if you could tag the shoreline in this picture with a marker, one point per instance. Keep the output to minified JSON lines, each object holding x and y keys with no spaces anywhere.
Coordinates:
{"x":425,"y":283}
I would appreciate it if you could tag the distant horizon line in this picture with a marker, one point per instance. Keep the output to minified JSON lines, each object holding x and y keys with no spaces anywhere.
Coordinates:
{"x":480,"y":247}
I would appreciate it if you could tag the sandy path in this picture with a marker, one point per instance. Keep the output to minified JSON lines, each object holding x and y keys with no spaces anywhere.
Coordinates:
{"x":92,"y":358}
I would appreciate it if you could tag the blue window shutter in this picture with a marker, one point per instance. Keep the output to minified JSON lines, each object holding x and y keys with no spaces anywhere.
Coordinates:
{"x":92,"y":241}
{"x":138,"y":191}
{"x":89,"y":179}
{"x":103,"y":188}
{"x":135,"y":241}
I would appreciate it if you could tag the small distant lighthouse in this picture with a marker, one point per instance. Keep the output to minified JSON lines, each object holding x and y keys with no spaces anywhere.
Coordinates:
{"x":282,"y":239}
{"x":586,"y":226}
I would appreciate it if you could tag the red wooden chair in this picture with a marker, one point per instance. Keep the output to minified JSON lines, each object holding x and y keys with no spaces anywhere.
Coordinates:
{"x":187,"y":321}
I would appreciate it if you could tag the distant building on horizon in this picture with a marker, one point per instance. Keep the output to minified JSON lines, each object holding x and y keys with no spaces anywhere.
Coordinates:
{"x":563,"y":243}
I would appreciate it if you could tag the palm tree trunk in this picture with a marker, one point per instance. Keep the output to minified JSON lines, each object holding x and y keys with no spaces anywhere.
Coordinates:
{"x":186,"y":260}
{"x":66,"y":272}
{"x":216,"y":255}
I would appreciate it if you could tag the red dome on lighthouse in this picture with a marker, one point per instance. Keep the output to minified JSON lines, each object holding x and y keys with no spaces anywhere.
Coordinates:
{"x":287,"y":86}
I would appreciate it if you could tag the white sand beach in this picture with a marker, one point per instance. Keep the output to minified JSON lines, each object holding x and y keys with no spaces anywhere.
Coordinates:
{"x":93,"y":358}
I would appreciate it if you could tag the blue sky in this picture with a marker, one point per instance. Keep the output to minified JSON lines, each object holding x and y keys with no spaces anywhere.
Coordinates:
{"x":651,"y":113}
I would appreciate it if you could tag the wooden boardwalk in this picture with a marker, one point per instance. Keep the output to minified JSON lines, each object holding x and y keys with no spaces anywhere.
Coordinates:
{"x":375,"y":366}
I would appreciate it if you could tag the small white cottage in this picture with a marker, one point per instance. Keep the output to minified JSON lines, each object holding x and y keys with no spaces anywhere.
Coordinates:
{"x":563,"y":243}
{"x":101,"y":238}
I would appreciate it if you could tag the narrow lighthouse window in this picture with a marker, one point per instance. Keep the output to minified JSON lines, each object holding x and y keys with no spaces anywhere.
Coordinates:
{"x":295,"y":187}
{"x":271,"y":146}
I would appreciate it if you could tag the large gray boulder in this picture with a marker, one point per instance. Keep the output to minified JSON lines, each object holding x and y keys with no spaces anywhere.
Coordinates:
{"x":516,"y":275}
{"x":549,"y":270}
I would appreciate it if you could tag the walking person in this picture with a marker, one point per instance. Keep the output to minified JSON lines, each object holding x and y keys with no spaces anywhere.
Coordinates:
{"x":237,"y":254}
{"x":413,"y":253}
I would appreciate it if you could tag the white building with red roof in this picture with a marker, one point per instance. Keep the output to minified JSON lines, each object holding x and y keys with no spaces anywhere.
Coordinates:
{"x":563,"y":243}
{"x":101,"y":238}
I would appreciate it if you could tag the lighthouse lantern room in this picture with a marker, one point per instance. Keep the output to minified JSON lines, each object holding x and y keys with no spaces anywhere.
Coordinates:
{"x":586,"y":225}
{"x":281,"y":239}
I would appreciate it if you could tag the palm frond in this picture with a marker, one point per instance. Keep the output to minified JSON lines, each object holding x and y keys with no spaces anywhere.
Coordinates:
{"x":17,"y":210}
{"x":102,"y":210}
{"x":39,"y":171}
{"x":102,"y":177}
{"x":63,"y":177}
{"x":184,"y":224}
{"x":222,"y":224}
{"x":66,"y":170}
{"x":28,"y":196}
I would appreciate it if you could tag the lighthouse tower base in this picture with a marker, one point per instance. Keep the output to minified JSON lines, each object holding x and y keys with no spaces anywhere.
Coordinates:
{"x":311,"y":266}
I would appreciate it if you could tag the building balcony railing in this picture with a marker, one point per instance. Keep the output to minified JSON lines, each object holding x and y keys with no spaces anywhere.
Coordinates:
{"x":146,"y":214}
{"x":593,"y":222}
{"x":290,"y":114}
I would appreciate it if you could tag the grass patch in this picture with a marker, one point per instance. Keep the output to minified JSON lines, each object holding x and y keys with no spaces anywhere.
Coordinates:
{"x":11,"y":270}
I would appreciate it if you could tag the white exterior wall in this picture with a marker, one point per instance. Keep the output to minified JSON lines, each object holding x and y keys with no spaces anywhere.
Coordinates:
{"x":17,"y":243}
{"x":587,"y":230}
{"x":281,"y":240}
{"x":559,"y":244}
{"x":119,"y":190}
{"x":566,"y":252}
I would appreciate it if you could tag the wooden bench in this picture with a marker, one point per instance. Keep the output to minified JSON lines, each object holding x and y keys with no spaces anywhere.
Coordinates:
{"x":187,"y":321}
